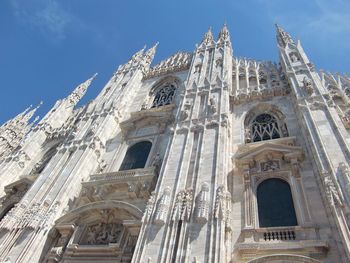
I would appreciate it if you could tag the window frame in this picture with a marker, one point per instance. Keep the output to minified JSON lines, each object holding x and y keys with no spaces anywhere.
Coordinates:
{"x":129,"y":146}
{"x":289,"y":178}
{"x":292,"y":200}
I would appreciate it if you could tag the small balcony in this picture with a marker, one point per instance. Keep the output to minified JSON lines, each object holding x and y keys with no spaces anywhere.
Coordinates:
{"x":294,"y":239}
{"x":135,"y":183}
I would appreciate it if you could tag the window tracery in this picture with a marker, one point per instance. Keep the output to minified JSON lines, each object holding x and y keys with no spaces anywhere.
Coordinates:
{"x":164,"y":95}
{"x":264,"y":122}
{"x":264,"y":127}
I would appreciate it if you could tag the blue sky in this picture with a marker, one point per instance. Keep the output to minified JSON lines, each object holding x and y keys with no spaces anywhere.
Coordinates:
{"x":47,"y":47}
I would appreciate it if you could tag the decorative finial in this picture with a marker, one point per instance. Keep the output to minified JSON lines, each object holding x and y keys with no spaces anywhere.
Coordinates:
{"x":149,"y":55}
{"x":80,"y":91}
{"x":283,"y":38}
{"x":208,"y":37}
{"x":224,"y":34}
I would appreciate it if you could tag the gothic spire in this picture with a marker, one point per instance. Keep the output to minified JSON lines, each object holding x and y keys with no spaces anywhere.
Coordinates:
{"x":138,"y":55}
{"x":149,"y":55}
{"x":283,"y":38}
{"x":224,"y":35}
{"x":14,"y":131}
{"x":30,"y":114}
{"x":80,"y":91}
{"x":208,"y":38}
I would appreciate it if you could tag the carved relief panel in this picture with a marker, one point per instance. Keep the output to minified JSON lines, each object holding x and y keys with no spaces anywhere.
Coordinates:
{"x":102,"y":234}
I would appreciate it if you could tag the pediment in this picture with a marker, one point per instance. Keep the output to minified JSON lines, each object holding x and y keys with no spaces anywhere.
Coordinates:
{"x":283,"y":148}
{"x":160,"y":116}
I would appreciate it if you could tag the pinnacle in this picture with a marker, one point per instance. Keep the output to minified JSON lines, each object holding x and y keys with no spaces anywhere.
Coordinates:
{"x":94,"y":76}
{"x":149,"y":55}
{"x":283,"y":37}
{"x":224,"y":34}
{"x":208,"y":37}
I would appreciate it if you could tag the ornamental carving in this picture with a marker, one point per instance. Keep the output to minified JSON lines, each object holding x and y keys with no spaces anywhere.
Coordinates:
{"x":21,"y":159}
{"x":345,"y":171}
{"x":163,"y":207}
{"x":183,"y":205}
{"x":164,"y":96}
{"x":178,"y":62}
{"x":264,"y":127}
{"x":294,"y":57}
{"x":332,"y":193}
{"x":157,"y":162}
{"x":102,"y":234}
{"x":308,"y":85}
{"x":270,"y":165}
{"x":212,"y":105}
{"x":223,"y":206}
{"x":149,"y":208}
{"x":202,"y":204}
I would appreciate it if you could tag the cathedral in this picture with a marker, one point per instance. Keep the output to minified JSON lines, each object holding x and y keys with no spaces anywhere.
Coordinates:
{"x":202,"y":158}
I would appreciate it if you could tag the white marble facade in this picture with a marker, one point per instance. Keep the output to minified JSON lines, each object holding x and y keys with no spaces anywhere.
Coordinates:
{"x":204,"y":157}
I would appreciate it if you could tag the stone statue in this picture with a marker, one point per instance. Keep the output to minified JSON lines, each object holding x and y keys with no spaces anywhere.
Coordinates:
{"x":308,"y":85}
{"x":157,"y":162}
{"x":212,"y":104}
{"x":294,"y":58}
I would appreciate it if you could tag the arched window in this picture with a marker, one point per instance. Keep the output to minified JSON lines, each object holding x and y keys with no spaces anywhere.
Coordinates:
{"x":264,"y":127}
{"x":164,"y":95}
{"x":275,"y":204}
{"x":136,"y":156}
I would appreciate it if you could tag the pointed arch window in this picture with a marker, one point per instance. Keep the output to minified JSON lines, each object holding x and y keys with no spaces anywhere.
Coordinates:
{"x":275,"y":204}
{"x":265,"y":127}
{"x":136,"y":156}
{"x":164,"y":95}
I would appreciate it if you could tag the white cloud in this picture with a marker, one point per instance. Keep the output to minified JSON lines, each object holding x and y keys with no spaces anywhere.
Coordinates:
{"x":47,"y":16}
{"x":321,"y":21}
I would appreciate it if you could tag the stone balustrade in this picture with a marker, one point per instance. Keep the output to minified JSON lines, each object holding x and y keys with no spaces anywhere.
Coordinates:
{"x":123,"y":176}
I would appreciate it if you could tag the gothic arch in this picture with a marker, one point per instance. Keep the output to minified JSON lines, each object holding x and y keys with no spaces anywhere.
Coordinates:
{"x":284,"y":258}
{"x":109,"y":204}
{"x":95,"y":224}
{"x":263,"y":111}
{"x":164,"y":92}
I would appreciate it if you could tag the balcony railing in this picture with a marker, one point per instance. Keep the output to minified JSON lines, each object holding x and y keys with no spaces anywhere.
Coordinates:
{"x":122,"y":176}
{"x":298,"y":239}
{"x":279,"y":235}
